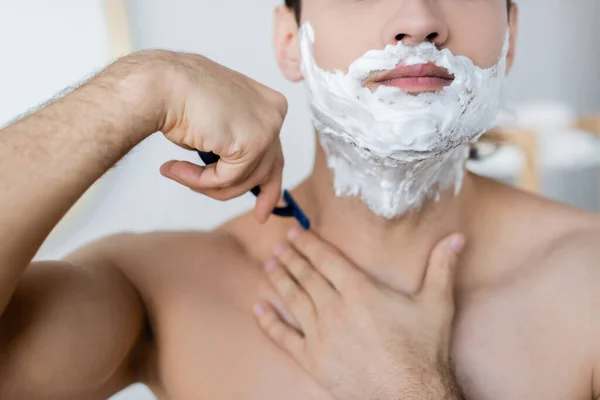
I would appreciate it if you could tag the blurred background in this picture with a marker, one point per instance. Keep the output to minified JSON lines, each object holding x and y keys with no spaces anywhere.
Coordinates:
{"x":545,"y":141}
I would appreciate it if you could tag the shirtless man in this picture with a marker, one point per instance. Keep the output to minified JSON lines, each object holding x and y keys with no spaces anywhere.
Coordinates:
{"x":174,"y":310}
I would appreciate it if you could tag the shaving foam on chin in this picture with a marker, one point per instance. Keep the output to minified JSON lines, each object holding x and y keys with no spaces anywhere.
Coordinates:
{"x":392,"y":149}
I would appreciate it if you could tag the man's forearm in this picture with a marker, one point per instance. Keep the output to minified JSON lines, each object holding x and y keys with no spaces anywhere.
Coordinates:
{"x":50,"y":158}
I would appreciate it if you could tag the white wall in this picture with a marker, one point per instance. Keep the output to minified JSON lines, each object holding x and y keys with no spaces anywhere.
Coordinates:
{"x":558,"y":53}
{"x":46,"y":45}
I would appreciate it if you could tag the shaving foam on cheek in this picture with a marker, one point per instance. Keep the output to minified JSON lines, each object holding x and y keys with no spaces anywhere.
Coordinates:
{"x":394,"y":149}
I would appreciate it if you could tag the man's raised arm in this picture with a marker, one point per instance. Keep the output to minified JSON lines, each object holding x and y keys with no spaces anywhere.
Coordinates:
{"x":51,"y":157}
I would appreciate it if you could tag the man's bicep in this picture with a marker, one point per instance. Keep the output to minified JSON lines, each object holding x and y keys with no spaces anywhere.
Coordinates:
{"x":69,"y":331}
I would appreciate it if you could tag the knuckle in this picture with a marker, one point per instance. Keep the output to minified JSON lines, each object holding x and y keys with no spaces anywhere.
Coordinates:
{"x":289,"y":253}
{"x":303,"y":273}
{"x":308,"y":245}
{"x":276,"y":120}
{"x":287,"y":289}
{"x":288,"y":256}
{"x":270,"y":129}
{"x":237,"y":149}
{"x":280,"y":102}
{"x":291,"y":297}
{"x":268,"y":123}
{"x":319,"y":253}
{"x":280,"y":162}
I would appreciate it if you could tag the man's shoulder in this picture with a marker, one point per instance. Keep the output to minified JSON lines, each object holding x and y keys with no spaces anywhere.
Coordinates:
{"x":544,"y":311}
{"x":574,"y":252}
{"x":165,"y":241}
{"x":547,"y":248}
{"x":543,"y":222}
{"x":169,"y":256}
{"x":573,"y":233}
{"x":556,"y":283}
{"x":562,"y":241}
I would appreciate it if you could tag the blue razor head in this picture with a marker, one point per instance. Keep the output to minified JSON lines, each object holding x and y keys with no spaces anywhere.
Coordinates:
{"x":296,"y":210}
{"x":291,"y":210}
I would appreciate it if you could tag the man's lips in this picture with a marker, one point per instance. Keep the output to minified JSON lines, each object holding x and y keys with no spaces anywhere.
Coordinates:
{"x":415,"y":79}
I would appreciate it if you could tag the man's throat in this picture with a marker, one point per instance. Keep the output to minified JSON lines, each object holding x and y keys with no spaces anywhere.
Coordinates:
{"x":393,"y":251}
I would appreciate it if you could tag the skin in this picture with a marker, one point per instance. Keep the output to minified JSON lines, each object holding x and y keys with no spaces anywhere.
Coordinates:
{"x":142,"y":308}
{"x":341,"y":314}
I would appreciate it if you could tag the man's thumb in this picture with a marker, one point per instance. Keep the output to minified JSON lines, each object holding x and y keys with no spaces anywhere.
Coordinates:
{"x":439,"y":278}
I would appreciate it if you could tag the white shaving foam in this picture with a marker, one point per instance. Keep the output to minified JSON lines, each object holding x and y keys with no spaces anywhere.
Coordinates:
{"x":391,"y":148}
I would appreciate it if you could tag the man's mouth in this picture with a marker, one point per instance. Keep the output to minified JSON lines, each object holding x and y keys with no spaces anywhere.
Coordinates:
{"x":414,"y":79}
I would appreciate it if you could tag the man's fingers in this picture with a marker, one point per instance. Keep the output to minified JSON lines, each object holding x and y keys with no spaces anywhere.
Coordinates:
{"x":228,"y":179}
{"x":326,"y":259}
{"x":221,"y":175}
{"x":282,"y":334}
{"x":439,"y":278}
{"x":237,"y":190}
{"x":191,"y":175}
{"x":183,"y":172}
{"x":216,"y":176}
{"x":248,"y":171}
{"x":314,"y":284}
{"x":195,"y":177}
{"x":293,"y":297}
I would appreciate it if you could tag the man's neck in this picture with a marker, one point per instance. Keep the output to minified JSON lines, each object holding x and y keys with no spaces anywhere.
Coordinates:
{"x":393,"y":251}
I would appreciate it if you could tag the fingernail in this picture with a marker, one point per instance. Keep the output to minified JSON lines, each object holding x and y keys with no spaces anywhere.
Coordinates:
{"x":270,"y":265}
{"x":293,"y":233}
{"x":258,"y":310}
{"x":457,"y":244}
{"x":279,"y":250}
{"x":165,"y":169}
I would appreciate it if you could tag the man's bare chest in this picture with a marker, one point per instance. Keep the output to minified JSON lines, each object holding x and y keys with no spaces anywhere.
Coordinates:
{"x":210,"y":348}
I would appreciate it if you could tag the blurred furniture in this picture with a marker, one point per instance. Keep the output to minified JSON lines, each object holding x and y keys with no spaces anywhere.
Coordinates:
{"x":119,"y":32}
{"x":590,"y":123}
{"x":527,"y":141}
